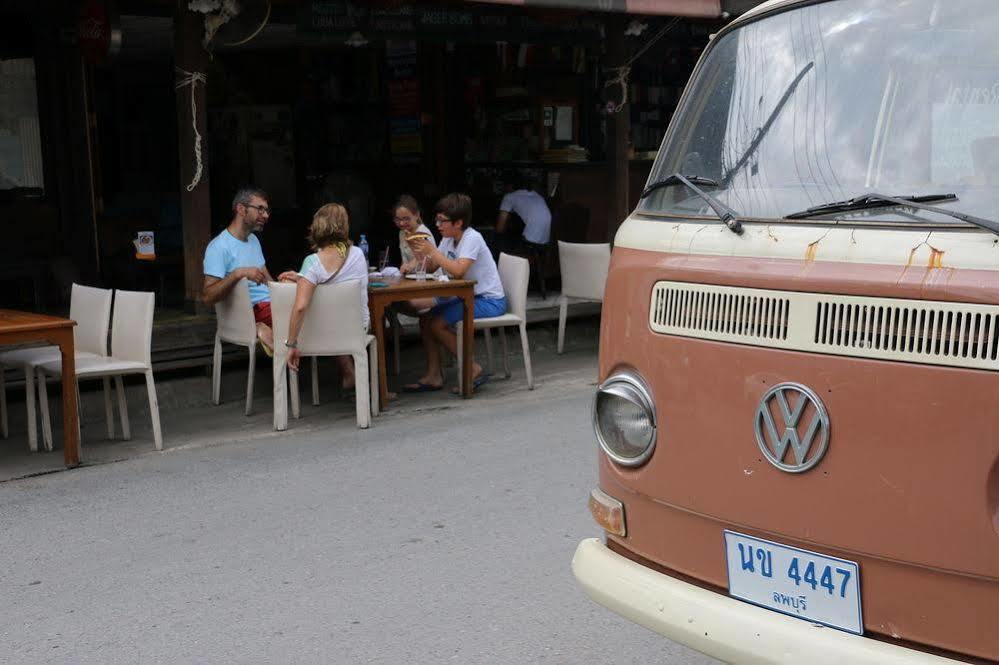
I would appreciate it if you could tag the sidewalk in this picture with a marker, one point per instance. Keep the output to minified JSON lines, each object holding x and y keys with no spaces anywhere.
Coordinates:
{"x":190,"y":420}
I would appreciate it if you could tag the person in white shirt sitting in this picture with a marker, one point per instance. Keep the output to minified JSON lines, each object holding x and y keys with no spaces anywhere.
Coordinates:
{"x":407,"y":218}
{"x":335,"y":260}
{"x":524,"y":221}
{"x":462,"y":254}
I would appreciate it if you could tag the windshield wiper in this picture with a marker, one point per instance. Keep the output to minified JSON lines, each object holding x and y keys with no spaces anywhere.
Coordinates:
{"x":867,"y":201}
{"x":875,"y":200}
{"x":724,"y":213}
{"x":765,"y":127}
{"x":675,"y":180}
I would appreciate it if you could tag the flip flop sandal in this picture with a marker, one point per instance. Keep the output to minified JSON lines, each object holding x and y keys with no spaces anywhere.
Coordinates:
{"x":478,"y":381}
{"x":420,"y":387}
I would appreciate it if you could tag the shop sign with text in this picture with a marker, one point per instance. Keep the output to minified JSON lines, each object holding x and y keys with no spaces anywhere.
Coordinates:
{"x":336,"y":19}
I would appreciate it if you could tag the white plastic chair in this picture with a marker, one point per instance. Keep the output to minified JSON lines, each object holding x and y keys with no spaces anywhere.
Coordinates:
{"x":514,"y":273}
{"x":333,"y":326}
{"x":131,"y":341}
{"x":91,"y":309}
{"x":235,"y":325}
{"x":584,"y":275}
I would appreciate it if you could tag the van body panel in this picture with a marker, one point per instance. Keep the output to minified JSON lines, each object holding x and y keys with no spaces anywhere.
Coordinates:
{"x":908,"y":487}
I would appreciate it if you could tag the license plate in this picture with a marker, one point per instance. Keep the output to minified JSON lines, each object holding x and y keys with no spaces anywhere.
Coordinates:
{"x":819,"y":588}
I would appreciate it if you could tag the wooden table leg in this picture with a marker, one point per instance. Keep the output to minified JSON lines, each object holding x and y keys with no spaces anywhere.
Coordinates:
{"x":70,"y":424}
{"x":377,"y":311}
{"x":467,"y":344}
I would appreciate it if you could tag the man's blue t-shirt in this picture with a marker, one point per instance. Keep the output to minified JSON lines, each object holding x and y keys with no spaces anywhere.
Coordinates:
{"x":226,"y":252}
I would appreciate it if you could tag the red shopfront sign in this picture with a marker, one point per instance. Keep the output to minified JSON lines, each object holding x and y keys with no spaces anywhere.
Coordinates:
{"x":97,"y":31}
{"x":688,"y":8}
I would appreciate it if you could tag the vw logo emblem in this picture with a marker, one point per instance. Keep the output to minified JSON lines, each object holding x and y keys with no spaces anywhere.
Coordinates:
{"x":791,"y":416}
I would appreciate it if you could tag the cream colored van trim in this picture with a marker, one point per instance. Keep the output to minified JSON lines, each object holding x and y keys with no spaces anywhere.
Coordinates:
{"x":919,"y":331}
{"x":970,"y":248}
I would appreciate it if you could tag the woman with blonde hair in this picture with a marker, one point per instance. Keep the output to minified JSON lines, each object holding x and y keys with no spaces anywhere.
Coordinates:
{"x":335,"y":260}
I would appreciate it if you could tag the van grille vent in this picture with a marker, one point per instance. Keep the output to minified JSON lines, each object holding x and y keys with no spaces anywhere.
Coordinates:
{"x":939,"y":333}
{"x":733,"y":314}
{"x":921,"y":330}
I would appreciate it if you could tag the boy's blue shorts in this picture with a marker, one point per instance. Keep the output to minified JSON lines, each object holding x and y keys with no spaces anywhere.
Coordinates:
{"x":452,"y":309}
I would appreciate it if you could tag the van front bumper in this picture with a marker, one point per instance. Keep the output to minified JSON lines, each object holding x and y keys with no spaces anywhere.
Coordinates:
{"x":723,"y":627}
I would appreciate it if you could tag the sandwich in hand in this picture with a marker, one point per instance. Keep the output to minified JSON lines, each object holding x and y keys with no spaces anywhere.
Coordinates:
{"x":418,"y":237}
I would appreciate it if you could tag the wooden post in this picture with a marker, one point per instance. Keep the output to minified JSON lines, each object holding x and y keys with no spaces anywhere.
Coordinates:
{"x":74,"y":163}
{"x":195,"y":205}
{"x":618,"y":133}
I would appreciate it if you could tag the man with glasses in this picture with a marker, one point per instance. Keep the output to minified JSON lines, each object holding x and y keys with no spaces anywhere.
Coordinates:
{"x":235,"y":254}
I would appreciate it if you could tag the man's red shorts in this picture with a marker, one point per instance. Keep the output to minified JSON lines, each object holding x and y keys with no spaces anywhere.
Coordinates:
{"x":262,"y":313}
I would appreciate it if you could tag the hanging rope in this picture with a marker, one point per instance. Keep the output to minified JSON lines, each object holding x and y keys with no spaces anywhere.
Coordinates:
{"x":659,"y":35}
{"x":624,"y":70}
{"x":622,"y":80}
{"x":192,"y":79}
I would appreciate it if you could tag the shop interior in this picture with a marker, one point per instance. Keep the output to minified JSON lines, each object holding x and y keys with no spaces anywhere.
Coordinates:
{"x":359,"y":121}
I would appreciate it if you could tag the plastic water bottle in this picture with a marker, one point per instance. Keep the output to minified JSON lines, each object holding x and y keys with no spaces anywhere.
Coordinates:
{"x":363,"y":244}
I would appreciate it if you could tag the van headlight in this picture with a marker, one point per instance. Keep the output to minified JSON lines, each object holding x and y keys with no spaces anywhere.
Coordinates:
{"x":624,"y":419}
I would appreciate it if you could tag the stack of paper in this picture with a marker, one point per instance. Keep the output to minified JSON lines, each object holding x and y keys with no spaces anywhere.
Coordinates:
{"x":571,"y":153}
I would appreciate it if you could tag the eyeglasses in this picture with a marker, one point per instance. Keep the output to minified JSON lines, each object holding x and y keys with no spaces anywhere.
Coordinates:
{"x":441,"y":219}
{"x":263,"y":210}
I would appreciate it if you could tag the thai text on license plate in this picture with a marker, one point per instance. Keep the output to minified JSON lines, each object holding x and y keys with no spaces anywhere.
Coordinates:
{"x":808,"y":585}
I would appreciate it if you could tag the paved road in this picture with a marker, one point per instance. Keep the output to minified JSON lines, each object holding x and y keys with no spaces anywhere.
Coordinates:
{"x":441,"y":536}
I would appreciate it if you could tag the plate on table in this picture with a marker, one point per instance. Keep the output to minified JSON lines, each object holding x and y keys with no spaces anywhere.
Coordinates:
{"x":808,"y":585}
{"x":411,"y":276}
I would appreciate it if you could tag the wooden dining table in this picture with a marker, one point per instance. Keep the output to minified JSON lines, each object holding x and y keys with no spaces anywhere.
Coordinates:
{"x":24,"y":327}
{"x":398,"y":289}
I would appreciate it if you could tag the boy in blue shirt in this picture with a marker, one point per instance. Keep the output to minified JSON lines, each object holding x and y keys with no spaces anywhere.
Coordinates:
{"x":235,"y":254}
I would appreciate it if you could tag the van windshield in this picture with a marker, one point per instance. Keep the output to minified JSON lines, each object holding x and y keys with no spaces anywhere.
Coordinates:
{"x":828,"y":101}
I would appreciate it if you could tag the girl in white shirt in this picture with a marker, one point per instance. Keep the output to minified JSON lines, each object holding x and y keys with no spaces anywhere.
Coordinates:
{"x":462,"y":254}
{"x":335,"y":260}
{"x":407,"y":218}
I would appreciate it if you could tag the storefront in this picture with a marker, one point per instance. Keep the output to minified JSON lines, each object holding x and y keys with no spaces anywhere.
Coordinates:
{"x":332,"y":100}
{"x":46,"y":195}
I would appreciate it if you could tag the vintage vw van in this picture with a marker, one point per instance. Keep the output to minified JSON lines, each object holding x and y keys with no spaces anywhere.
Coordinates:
{"x":798,"y":414}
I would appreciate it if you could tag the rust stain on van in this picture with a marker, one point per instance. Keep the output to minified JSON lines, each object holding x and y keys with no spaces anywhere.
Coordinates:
{"x":912,"y":252}
{"x":936,"y":258}
{"x":812,"y":248}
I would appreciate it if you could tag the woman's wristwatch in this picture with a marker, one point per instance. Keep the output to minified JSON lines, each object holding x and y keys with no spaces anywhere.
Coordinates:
{"x":290,"y":344}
